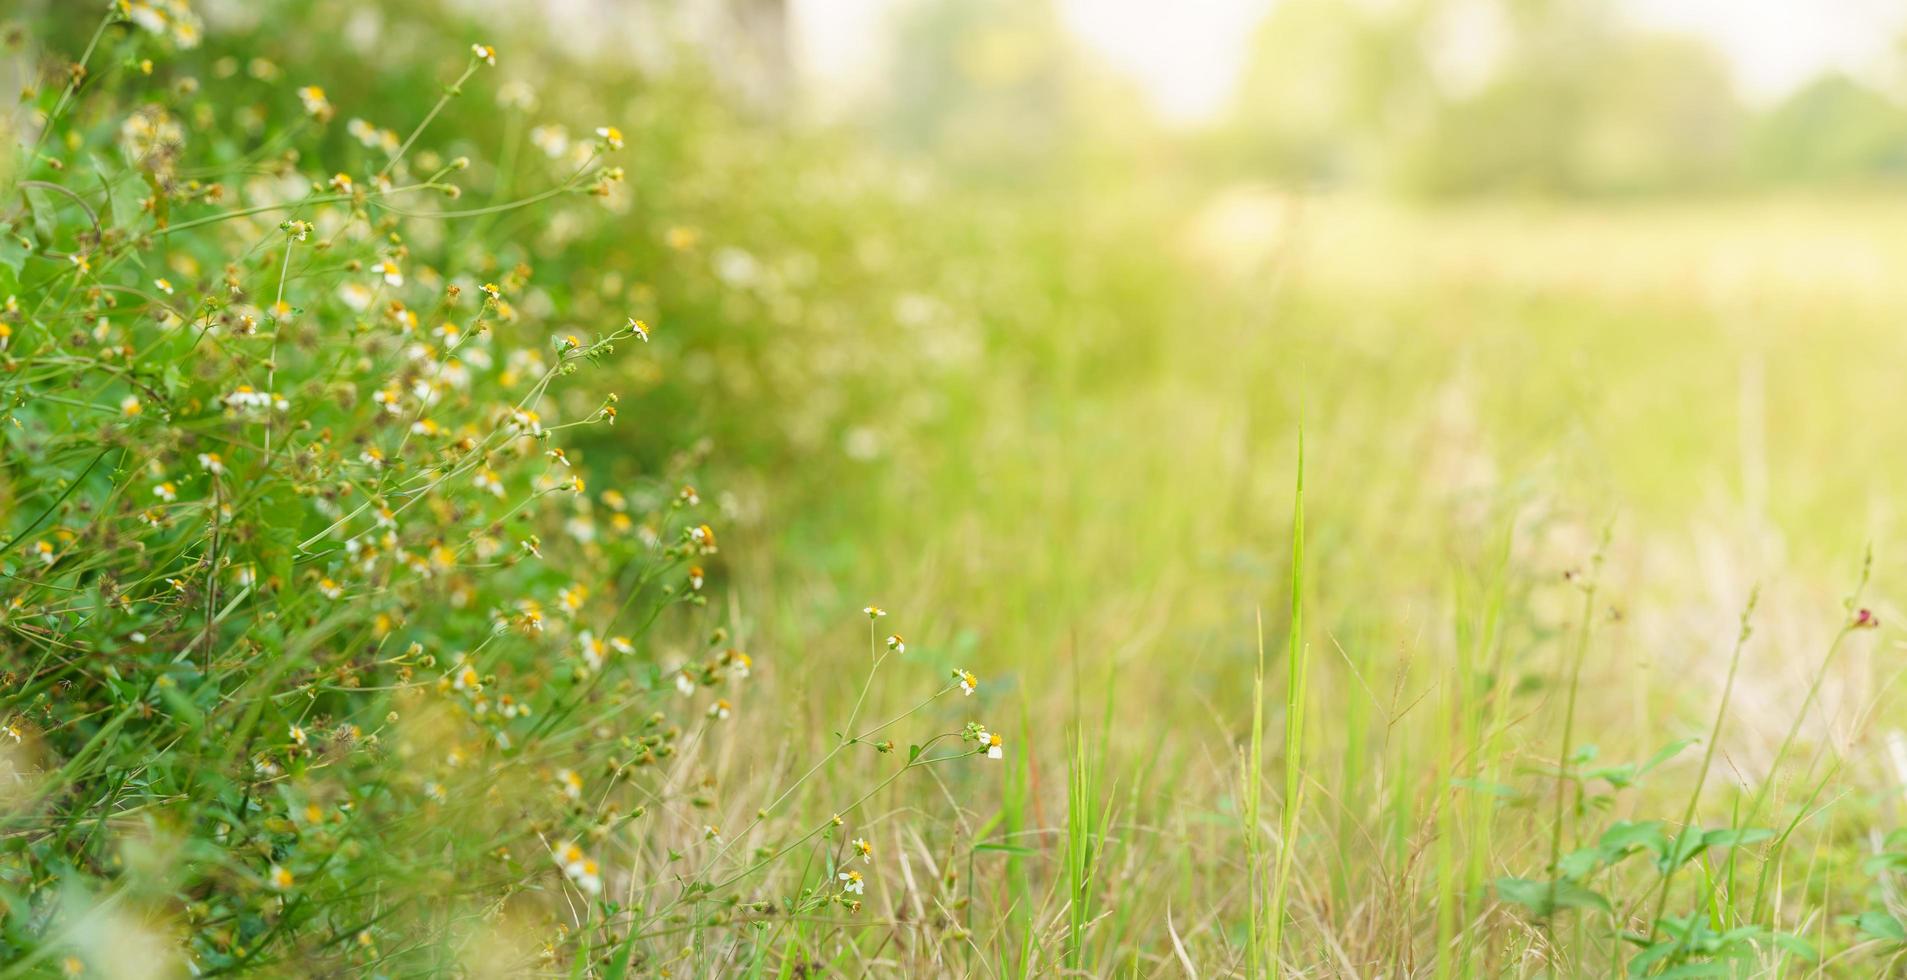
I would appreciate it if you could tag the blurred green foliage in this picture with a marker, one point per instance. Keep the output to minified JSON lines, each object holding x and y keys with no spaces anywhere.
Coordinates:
{"x":1427,"y":98}
{"x":1556,"y":97}
{"x":1027,"y":368}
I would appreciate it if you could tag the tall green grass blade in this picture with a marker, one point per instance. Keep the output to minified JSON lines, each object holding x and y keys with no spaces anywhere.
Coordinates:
{"x":1295,"y":686}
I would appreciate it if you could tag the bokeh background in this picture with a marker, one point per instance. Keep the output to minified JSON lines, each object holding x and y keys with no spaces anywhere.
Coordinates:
{"x":1018,"y":307}
{"x":1007,"y":315}
{"x":1067,"y":279}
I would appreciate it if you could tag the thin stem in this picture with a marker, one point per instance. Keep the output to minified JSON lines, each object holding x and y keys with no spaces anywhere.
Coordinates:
{"x":452,"y":91}
{"x":271,"y":365}
{"x":1708,"y":755}
{"x":850,"y":808}
{"x":879,"y":658}
{"x":59,"y":107}
{"x":1569,"y":711}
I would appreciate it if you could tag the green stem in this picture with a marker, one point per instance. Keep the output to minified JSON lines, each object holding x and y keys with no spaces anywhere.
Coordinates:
{"x":1708,"y":755}
{"x":1569,"y":713}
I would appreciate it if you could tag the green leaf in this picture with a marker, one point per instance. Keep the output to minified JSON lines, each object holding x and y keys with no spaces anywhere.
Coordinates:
{"x":1666,"y":753}
{"x":281,"y":514}
{"x":1624,"y":836}
{"x":1532,"y":895}
{"x":1618,"y":776}
{"x":1499,"y":790}
{"x":1543,"y":898}
{"x":619,"y":967}
{"x":1570,"y":895}
{"x":124,"y":191}
{"x":1686,"y":846}
{"x":1735,"y":836}
{"x":1881,"y":925}
{"x":579,"y":963}
{"x":1884,"y":862}
{"x":1695,"y":970}
{"x":1639,"y":964}
{"x":1796,"y":945}
{"x":1579,"y":864}
{"x":1004,"y":848}
{"x":1683,"y":927}
{"x":40,"y":211}
{"x":182,"y":706}
{"x":13,"y":255}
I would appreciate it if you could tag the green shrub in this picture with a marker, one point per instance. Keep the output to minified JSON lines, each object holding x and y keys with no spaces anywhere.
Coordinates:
{"x":321,"y":651}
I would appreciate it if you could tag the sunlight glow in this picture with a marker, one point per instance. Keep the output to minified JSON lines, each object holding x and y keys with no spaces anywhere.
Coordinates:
{"x":1187,"y":56}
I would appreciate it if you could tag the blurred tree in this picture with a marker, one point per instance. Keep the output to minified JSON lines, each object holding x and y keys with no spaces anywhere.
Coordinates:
{"x":1663,"y":117}
{"x":978,"y":84}
{"x":1834,"y":129}
{"x":1470,"y":96}
{"x":1610,"y":112}
{"x":1327,"y":86}
{"x":998,"y":89}
{"x":749,"y":44}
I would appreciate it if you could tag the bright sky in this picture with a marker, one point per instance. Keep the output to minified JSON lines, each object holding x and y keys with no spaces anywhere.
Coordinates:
{"x":1187,"y":53}
{"x":1777,"y":45}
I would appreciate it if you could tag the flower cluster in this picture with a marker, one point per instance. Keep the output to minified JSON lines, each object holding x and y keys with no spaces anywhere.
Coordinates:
{"x":323,"y":472}
{"x":985,"y":742}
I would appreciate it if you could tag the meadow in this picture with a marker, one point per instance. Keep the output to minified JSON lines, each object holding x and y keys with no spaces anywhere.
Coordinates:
{"x":472,"y":513}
